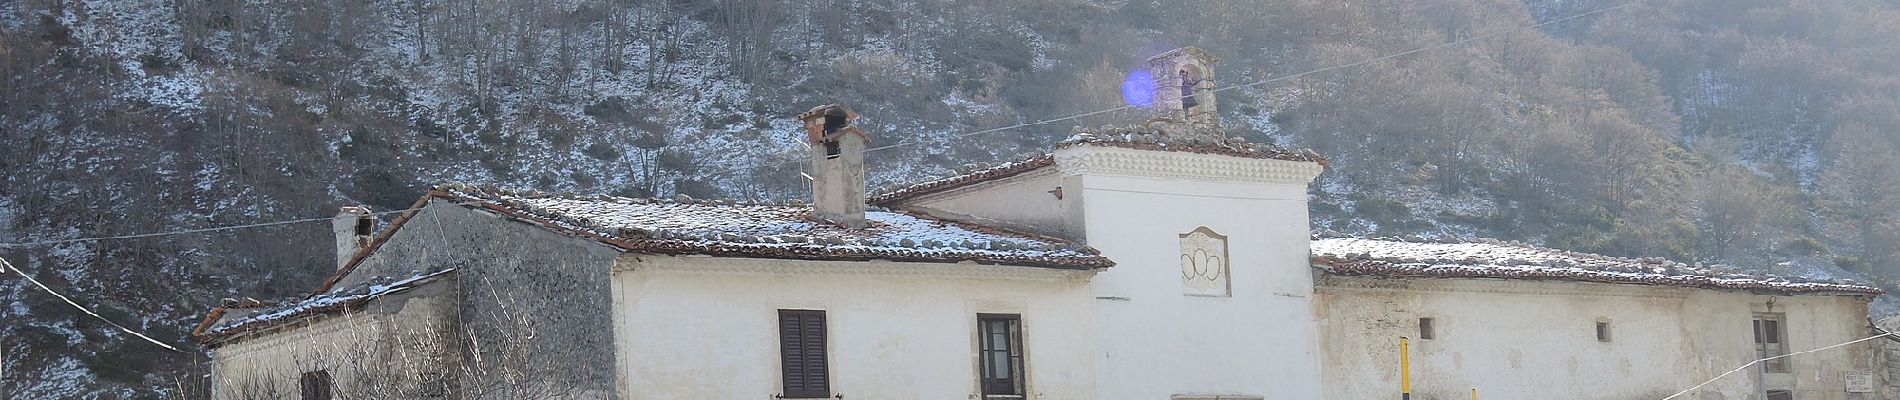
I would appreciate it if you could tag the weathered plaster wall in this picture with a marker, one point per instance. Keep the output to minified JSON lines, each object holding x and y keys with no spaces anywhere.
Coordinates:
{"x":1886,"y":360}
{"x":1717,"y":324}
{"x":1524,"y":339}
{"x":1021,"y":202}
{"x":706,"y":328}
{"x":1153,"y":340}
{"x":534,"y":304}
{"x":399,"y":346}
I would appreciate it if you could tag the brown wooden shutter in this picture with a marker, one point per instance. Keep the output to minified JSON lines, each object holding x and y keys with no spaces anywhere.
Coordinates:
{"x":802,"y":353}
{"x":316,"y":385}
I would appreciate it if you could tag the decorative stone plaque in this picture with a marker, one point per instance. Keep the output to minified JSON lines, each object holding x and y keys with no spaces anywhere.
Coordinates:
{"x":1204,"y":263}
{"x":1858,"y":381}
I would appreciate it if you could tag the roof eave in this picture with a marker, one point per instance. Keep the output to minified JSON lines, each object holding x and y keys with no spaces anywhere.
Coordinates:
{"x":670,"y":247}
{"x":1335,"y":266}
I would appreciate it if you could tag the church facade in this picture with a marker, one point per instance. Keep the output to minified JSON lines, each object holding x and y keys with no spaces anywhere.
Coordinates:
{"x":1160,"y":260}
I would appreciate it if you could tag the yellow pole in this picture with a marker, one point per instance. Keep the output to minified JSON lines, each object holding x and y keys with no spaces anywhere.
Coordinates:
{"x":1405,"y":369}
{"x":1474,"y":393}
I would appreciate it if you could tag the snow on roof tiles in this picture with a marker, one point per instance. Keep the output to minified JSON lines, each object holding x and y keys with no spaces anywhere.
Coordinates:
{"x":725,"y":228}
{"x":323,"y":303}
{"x":1494,"y":259}
{"x":980,"y":173}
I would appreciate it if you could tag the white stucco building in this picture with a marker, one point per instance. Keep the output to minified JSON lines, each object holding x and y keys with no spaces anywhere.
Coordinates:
{"x":1161,"y":260}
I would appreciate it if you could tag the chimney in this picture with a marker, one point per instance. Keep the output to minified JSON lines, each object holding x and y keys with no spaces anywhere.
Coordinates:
{"x":837,"y":164}
{"x":354,"y":226}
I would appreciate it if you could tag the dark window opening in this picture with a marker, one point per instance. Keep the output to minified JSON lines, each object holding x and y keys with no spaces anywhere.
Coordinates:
{"x":832,"y":150}
{"x":1769,"y":335}
{"x":1187,"y":90}
{"x":1001,"y":353}
{"x":1603,"y":331}
{"x":1425,"y":329}
{"x":834,"y":122}
{"x":316,"y":385}
{"x":802,"y":354}
{"x":1780,"y":395}
{"x":363,"y":225}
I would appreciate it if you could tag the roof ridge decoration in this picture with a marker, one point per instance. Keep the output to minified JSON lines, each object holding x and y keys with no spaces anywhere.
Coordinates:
{"x":1155,"y":135}
{"x":738,"y":229}
{"x":1491,"y":258}
{"x":1136,"y":162}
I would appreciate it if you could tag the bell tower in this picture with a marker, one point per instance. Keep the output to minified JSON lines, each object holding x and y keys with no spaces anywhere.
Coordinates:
{"x":1183,"y":82}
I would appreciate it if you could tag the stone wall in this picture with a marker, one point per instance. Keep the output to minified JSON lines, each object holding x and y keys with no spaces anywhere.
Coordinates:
{"x":1887,"y":367}
{"x":534,"y":304}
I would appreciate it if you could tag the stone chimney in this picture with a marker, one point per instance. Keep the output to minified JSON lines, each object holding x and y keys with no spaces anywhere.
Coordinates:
{"x":354,"y":227}
{"x":837,"y":164}
{"x":1184,"y":80}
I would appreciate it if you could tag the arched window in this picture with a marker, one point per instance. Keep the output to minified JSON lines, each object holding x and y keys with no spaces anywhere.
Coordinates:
{"x":833,"y":123}
{"x":835,"y":119}
{"x":1189,"y":79}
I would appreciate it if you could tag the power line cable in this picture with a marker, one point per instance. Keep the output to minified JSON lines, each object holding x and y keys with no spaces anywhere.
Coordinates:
{"x":181,"y":232}
{"x":960,"y":135}
{"x":4,"y":266}
{"x":1884,"y":333}
{"x":1256,"y":83}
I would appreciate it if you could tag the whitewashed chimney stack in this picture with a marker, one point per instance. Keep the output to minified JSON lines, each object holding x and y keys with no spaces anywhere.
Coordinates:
{"x":837,"y":164}
{"x":354,"y":226}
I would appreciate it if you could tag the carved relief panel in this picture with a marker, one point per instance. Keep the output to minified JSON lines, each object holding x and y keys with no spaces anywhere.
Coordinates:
{"x":1204,"y":263}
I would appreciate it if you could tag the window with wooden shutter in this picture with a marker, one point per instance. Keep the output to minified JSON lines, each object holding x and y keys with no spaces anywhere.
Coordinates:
{"x":1000,"y":354}
{"x":802,"y":354}
{"x":316,"y":385}
{"x":1770,"y":341}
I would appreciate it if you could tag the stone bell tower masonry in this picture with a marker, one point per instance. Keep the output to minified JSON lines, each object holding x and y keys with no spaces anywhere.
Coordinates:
{"x":1183,"y":82}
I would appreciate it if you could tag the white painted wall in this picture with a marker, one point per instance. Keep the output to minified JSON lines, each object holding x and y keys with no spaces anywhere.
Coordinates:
{"x":368,"y":354}
{"x":707,"y":328}
{"x":1153,"y":341}
{"x":1021,"y":202}
{"x":1537,"y":340}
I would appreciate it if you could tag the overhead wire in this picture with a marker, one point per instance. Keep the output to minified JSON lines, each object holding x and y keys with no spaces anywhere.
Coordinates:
{"x":5,"y":266}
{"x":878,"y":148}
{"x":1453,"y":43}
{"x":1884,"y":333}
{"x":180,"y":232}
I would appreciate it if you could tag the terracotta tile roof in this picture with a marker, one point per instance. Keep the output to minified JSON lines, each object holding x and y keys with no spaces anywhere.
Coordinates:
{"x":1505,"y":260}
{"x":724,"y":228}
{"x":978,"y":173}
{"x":1156,"y":138}
{"x":265,"y":316}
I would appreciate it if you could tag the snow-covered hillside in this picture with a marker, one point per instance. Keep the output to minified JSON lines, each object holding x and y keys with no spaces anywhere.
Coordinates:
{"x":1694,"y":129}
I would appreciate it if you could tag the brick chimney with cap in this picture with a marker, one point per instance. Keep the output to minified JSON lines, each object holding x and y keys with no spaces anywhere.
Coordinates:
{"x":354,"y":226}
{"x":837,"y":164}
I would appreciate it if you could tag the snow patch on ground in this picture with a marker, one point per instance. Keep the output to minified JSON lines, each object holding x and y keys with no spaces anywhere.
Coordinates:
{"x":9,"y":215}
{"x":58,"y":379}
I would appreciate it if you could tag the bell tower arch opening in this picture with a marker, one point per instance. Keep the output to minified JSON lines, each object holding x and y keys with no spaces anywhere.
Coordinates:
{"x":1183,"y":88}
